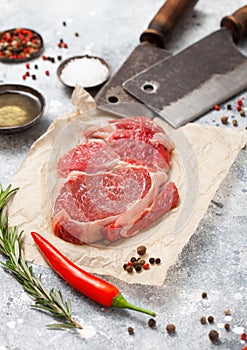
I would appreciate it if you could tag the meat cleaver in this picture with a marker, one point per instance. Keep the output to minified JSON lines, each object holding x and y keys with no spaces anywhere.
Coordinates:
{"x":149,"y":51}
{"x":190,"y":83}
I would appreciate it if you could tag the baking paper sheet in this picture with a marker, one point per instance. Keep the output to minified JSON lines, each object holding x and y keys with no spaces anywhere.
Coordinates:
{"x":203,"y":157}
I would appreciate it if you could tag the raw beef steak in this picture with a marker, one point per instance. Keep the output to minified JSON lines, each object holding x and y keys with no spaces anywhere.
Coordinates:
{"x":115,"y":182}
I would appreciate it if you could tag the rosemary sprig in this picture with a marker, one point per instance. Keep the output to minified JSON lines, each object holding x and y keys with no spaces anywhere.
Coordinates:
{"x":11,"y":247}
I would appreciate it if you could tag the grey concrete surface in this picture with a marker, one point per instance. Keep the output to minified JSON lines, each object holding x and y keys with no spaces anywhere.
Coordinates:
{"x":214,"y":260}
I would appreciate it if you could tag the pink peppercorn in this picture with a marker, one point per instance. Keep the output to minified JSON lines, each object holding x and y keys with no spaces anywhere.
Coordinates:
{"x":146,"y":266}
{"x":217,"y":107}
{"x":243,"y":336}
{"x":47,"y":72}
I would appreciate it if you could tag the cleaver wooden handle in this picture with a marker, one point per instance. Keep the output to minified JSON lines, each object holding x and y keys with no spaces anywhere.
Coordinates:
{"x":161,"y":26}
{"x":236,"y":23}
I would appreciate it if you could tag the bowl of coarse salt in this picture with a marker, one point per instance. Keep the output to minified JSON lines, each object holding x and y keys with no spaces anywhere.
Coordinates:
{"x":86,"y":71}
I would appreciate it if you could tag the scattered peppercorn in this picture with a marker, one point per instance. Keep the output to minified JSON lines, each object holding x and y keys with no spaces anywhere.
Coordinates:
{"x":131,"y":330}
{"x":138,"y":268}
{"x":36,"y":66}
{"x":59,"y":58}
{"x":227,"y":327}
{"x":243,"y":336}
{"x":235,"y":122}
{"x":244,"y":348}
{"x":133,"y":259}
{"x":152,"y":261}
{"x":130,"y":263}
{"x":64,"y":24}
{"x":203,"y":320}
{"x":141,"y":262}
{"x":141,"y":250}
{"x":210,"y":319}
{"x":217,"y":107}
{"x":65,"y":46}
{"x":204,"y":295}
{"x":239,"y":102}
{"x":213,"y":335}
{"x":44,"y":58}
{"x":34,"y":77}
{"x":242,"y":113}
{"x":229,"y":106}
{"x":27,"y":65}
{"x":224,"y":120}
{"x":146,"y":266}
{"x":157,"y":260}
{"x":124,"y":266}
{"x":239,"y":107}
{"x":170,"y":328}
{"x":129,"y":269}
{"x":227,"y":312}
{"x":76,"y":34}
{"x":47,"y":72}
{"x":151,"y":323}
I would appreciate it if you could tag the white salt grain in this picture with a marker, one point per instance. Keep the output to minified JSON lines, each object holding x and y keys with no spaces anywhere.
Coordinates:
{"x":85,"y":71}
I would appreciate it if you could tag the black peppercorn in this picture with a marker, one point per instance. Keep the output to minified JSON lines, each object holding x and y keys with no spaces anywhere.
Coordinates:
{"x":141,"y":262}
{"x":152,"y":260}
{"x":224,"y":120}
{"x":125,"y":266}
{"x":213,"y":335}
{"x":204,"y":295}
{"x":138,"y":267}
{"x":157,"y":260}
{"x":210,"y":319}
{"x":141,"y":250}
{"x":131,"y":330}
{"x":129,"y":268}
{"x":151,"y":323}
{"x":227,"y":327}
{"x":133,"y":259}
{"x":170,"y":328}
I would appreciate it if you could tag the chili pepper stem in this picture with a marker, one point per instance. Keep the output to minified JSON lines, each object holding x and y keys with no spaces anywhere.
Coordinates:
{"x":119,"y":301}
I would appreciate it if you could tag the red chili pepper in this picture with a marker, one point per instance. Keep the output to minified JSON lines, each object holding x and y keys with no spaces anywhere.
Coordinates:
{"x":91,"y":286}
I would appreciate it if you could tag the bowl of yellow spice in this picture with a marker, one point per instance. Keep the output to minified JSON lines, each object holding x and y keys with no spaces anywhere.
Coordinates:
{"x":20,"y":107}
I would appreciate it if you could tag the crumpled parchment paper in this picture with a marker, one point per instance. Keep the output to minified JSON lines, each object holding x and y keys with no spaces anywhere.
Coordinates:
{"x":203,"y":157}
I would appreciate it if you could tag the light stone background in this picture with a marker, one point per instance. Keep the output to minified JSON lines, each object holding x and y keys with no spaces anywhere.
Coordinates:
{"x":215,"y":259}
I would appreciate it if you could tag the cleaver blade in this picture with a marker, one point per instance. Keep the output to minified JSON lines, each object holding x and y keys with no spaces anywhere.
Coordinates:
{"x":149,"y":51}
{"x":190,"y":83}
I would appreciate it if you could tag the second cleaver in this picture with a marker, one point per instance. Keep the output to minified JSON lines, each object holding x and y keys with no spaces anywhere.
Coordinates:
{"x":188,"y":84}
